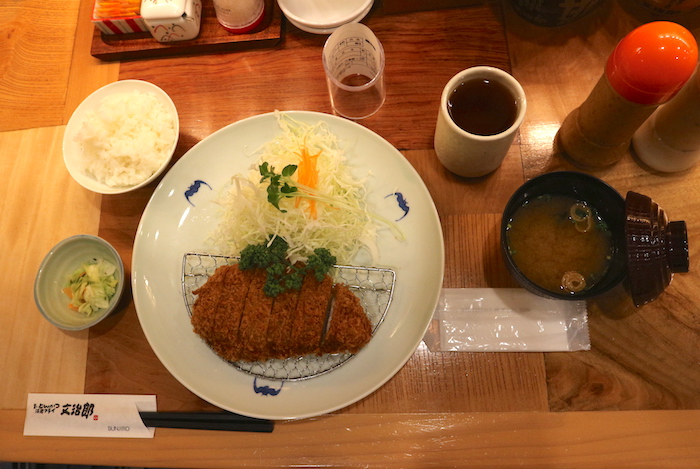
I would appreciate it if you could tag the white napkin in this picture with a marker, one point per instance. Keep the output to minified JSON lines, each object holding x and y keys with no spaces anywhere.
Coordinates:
{"x":506,"y":320}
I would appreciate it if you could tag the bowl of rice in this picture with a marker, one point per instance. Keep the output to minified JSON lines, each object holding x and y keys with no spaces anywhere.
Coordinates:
{"x":121,"y":137}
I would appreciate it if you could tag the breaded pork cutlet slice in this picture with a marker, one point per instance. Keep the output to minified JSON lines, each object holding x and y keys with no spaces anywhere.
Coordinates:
{"x":252,"y":335}
{"x":310,"y":317}
{"x":207,"y":302}
{"x":217,"y":311}
{"x":279,"y":329}
{"x":349,"y":328}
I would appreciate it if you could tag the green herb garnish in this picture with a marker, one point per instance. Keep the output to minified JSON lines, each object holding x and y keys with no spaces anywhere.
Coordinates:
{"x":282,"y":275}
{"x":278,"y":189}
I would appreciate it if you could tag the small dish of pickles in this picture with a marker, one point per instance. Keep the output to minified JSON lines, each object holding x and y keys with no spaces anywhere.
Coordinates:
{"x":79,"y":282}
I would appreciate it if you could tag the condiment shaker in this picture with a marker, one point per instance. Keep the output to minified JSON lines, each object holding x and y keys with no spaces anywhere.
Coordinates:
{"x":240,"y":16}
{"x":646,"y":69}
{"x":669,"y":141}
{"x":172,"y":20}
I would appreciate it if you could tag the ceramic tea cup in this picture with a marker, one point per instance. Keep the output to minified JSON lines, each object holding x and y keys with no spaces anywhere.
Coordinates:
{"x":481,"y":109}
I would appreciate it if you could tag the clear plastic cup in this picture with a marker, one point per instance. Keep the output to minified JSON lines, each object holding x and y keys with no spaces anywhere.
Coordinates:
{"x":353,"y":59}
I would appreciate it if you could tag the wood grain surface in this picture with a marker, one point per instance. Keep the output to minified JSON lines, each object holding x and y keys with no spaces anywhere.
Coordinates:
{"x":290,"y":76}
{"x":517,"y":382}
{"x":631,"y":364}
{"x":40,"y":204}
{"x":44,"y":357}
{"x":631,"y":401}
{"x":624,"y":369}
{"x":575,"y":440}
{"x":33,"y":75}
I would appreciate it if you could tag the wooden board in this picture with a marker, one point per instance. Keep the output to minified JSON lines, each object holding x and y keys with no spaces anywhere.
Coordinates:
{"x":408,"y":6}
{"x":212,"y":38}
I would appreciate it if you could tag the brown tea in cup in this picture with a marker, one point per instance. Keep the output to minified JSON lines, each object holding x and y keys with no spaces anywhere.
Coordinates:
{"x":483,"y":106}
{"x":481,"y":109}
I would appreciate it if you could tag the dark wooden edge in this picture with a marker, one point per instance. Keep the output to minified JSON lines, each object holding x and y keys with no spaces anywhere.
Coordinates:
{"x":212,"y":38}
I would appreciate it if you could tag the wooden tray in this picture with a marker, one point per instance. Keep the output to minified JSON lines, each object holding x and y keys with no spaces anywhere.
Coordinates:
{"x":408,"y":6}
{"x":212,"y":38}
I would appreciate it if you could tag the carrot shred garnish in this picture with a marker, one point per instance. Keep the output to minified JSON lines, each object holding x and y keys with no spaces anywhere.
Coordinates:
{"x":308,"y":176}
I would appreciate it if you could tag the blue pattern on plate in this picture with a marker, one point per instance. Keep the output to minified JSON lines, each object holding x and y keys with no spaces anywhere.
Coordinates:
{"x":266,"y":390}
{"x":402,"y":203}
{"x":194,"y":188}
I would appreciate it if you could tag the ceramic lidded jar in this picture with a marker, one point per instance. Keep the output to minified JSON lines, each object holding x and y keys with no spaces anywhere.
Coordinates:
{"x":172,"y":20}
{"x":656,"y":248}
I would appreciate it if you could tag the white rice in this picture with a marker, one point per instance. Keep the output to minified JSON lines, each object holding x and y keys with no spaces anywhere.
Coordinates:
{"x":127,"y":138}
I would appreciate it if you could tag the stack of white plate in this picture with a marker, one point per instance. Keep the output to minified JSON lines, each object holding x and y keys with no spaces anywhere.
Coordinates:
{"x":324,"y":16}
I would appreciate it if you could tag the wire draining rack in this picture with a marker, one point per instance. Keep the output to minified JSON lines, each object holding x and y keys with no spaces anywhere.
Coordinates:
{"x":373,"y":286}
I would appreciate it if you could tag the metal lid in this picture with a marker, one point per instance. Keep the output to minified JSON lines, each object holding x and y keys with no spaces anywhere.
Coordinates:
{"x":655,"y":248}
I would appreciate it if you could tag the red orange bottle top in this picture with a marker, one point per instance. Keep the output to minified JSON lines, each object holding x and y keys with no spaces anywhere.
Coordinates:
{"x":653,"y":62}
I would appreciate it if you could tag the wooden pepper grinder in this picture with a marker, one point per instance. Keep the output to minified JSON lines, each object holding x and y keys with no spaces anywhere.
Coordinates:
{"x":646,"y":69}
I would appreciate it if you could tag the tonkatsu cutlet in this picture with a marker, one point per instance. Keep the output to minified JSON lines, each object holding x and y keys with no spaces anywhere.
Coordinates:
{"x":216,"y":313}
{"x":252,"y":335}
{"x":310,"y":317}
{"x":207,"y":303}
{"x":279,"y":329}
{"x":349,"y":328}
{"x":239,"y":322}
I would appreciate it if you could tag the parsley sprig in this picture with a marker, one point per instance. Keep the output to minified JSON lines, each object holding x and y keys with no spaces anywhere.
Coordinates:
{"x":282,"y":275}
{"x":278,"y":189}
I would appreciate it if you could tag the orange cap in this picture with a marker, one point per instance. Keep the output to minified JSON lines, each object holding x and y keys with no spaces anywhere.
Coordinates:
{"x":653,"y":62}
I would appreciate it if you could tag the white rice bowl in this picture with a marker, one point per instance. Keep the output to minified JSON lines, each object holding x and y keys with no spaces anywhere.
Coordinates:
{"x":121,"y":137}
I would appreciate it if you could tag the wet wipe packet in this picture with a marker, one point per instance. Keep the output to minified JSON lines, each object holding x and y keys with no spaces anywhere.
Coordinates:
{"x":506,"y":320}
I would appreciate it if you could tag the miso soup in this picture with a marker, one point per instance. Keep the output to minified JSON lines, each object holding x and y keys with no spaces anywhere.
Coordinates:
{"x":560,"y":243}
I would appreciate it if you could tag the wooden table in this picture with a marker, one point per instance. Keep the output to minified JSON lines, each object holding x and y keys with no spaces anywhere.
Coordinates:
{"x":633,"y":400}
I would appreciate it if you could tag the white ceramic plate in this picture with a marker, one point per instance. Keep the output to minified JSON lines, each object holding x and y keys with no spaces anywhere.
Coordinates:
{"x":181,"y":214}
{"x":308,"y":29}
{"x":323,"y":14}
{"x":72,"y":151}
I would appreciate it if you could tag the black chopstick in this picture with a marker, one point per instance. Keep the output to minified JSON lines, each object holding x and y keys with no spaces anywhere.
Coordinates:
{"x":207,"y":421}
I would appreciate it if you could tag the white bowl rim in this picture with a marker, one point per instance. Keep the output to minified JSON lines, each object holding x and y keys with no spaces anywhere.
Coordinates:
{"x":293,"y":14}
{"x":311,"y":30}
{"x":75,"y":121}
{"x":117,"y":294}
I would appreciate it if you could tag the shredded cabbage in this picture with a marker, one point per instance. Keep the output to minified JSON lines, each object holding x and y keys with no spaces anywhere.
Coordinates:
{"x":248,"y":218}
